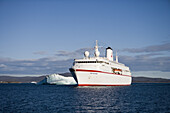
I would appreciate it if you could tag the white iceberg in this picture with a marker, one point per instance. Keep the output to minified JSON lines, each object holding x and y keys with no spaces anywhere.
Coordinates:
{"x":58,"y":80}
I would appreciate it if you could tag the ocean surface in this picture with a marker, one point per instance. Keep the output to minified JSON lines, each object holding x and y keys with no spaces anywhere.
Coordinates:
{"x":137,"y":98}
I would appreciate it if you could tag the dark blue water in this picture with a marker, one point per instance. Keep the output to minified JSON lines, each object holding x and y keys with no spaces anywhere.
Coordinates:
{"x":150,"y":98}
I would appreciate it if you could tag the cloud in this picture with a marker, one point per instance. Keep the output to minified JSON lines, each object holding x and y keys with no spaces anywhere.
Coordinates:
{"x":152,"y":61}
{"x":79,"y":53}
{"x":38,"y":66}
{"x":150,"y":58}
{"x":154,"y":48}
{"x":2,"y":59}
{"x":40,"y":53}
{"x":49,"y":65}
{"x":74,"y":54}
{"x":146,"y":63}
{"x":59,"y":63}
{"x":3,"y":66}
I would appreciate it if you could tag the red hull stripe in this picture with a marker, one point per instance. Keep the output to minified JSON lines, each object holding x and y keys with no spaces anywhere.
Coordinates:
{"x":103,"y":84}
{"x":100,"y":72}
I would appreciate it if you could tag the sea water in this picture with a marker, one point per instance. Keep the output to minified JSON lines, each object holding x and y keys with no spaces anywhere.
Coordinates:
{"x":31,"y":98}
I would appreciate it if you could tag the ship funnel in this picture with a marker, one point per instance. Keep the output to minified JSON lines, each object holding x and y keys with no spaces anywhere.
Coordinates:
{"x":109,"y":53}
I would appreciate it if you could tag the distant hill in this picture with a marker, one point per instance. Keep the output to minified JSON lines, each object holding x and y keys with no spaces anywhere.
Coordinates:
{"x":66,"y":74}
{"x":27,"y":79}
{"x":149,"y":80}
{"x":10,"y":79}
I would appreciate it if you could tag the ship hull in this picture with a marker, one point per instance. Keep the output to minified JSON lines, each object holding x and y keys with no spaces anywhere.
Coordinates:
{"x":99,"y":78}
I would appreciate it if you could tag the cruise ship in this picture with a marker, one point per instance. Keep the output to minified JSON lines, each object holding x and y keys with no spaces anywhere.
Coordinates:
{"x":100,"y":71}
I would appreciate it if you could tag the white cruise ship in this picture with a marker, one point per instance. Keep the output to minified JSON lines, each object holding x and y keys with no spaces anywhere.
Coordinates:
{"x":100,"y":71}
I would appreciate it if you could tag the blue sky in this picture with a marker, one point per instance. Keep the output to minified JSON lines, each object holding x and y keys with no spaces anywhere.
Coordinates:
{"x":33,"y":32}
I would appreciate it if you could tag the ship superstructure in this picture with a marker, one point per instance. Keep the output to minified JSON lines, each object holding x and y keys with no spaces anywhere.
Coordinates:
{"x":100,"y":71}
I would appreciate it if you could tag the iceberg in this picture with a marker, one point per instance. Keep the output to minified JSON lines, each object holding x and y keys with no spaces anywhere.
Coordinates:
{"x":58,"y":80}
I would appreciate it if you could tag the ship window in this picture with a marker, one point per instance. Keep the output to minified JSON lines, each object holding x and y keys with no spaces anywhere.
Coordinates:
{"x":106,"y":62}
{"x":102,"y":62}
{"x":85,"y":61}
{"x":99,"y":62}
{"x":91,"y":62}
{"x":126,"y":70}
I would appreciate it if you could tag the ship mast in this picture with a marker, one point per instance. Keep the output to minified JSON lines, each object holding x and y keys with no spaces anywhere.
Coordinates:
{"x":96,"y":47}
{"x":97,"y":53}
{"x":116,"y":57}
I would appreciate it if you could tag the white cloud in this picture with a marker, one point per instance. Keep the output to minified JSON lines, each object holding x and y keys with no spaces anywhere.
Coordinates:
{"x":28,"y":64}
{"x":3,"y":66}
{"x":153,"y":48}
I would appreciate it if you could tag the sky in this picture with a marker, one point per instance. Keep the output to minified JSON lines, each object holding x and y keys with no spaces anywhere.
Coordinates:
{"x":44,"y":36}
